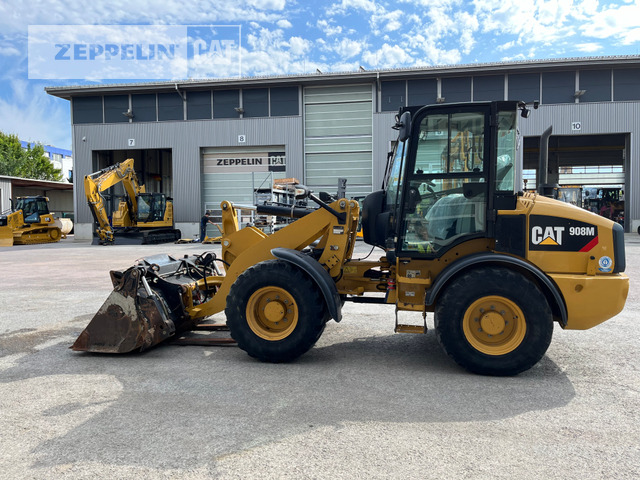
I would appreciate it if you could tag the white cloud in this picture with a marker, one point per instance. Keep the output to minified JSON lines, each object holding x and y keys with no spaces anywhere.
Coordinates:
{"x":15,"y":16}
{"x":267,"y":4}
{"x":387,"y":21}
{"x":284,"y":23}
{"x":533,"y":21}
{"x":613,"y":22}
{"x":299,"y":46}
{"x":588,"y":47}
{"x":345,"y":5}
{"x":35,"y":116}
{"x":388,"y":56}
{"x":347,"y":48}
{"x":329,"y":29}
{"x":506,"y":46}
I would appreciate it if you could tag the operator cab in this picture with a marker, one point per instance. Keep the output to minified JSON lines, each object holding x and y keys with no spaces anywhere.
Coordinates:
{"x":151,"y":207}
{"x":32,"y":208}
{"x":451,"y":169}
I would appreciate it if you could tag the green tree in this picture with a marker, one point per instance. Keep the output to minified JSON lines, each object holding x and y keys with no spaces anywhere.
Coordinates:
{"x":31,"y":162}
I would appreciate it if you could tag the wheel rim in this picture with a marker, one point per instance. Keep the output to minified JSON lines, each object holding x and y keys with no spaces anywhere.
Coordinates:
{"x":494,"y":325}
{"x":272,"y":313}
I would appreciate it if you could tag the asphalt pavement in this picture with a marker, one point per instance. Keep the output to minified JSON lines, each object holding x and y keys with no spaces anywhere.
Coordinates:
{"x":363,"y":403}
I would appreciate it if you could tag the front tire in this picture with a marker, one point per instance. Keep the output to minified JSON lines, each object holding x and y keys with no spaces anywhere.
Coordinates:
{"x":494,"y":321}
{"x":275,"y":311}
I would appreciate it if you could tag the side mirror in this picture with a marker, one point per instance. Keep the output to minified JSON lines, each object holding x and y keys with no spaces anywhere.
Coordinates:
{"x":403,"y":125}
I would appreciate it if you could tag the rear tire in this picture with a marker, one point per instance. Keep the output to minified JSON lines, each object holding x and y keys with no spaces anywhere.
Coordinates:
{"x":494,"y":321}
{"x":275,"y":312}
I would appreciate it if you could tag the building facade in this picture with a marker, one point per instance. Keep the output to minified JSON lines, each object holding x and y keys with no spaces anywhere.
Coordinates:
{"x":201,"y":142}
{"x":60,"y":158}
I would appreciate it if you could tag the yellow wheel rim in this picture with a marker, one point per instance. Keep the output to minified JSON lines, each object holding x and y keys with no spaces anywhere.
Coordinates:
{"x":272,"y":313}
{"x":494,"y":325}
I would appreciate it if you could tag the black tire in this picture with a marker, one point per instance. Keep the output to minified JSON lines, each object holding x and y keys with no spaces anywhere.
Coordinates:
{"x":275,"y":311}
{"x":494,"y":321}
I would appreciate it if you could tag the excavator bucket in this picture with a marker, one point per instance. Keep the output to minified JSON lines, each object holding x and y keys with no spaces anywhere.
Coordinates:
{"x":142,"y":310}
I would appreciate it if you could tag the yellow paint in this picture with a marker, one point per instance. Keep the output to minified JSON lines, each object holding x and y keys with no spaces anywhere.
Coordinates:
{"x":593,"y":299}
{"x":494,"y":325}
{"x":272,"y":313}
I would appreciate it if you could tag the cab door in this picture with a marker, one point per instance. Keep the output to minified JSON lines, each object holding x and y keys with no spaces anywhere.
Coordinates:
{"x":446,"y":190}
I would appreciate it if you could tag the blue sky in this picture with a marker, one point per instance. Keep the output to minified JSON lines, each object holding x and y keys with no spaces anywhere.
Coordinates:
{"x":294,"y":36}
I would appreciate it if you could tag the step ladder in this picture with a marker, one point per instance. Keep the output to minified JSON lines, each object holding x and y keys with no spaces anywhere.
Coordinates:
{"x":405,"y":328}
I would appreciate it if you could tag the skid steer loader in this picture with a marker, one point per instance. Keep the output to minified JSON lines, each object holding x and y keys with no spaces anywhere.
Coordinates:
{"x":496,"y":266}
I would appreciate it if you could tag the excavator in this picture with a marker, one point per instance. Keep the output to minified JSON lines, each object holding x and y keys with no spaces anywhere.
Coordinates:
{"x":29,"y":222}
{"x":141,"y":217}
{"x":496,"y":267}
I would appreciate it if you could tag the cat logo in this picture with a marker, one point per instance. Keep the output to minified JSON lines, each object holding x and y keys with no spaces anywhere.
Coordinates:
{"x":556,"y":234}
{"x":550,"y":236}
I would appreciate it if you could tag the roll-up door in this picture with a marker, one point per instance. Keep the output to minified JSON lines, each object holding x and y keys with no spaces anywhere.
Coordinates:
{"x":233,"y":173}
{"x":338,"y":138}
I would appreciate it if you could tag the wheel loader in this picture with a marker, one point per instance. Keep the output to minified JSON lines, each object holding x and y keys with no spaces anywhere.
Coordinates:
{"x":29,"y":222}
{"x":496,"y":267}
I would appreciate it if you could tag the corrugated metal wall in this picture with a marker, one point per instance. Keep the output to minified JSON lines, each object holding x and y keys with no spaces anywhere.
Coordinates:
{"x":185,"y":139}
{"x":338,"y":137}
{"x":5,"y":194}
{"x":237,"y":183}
{"x":595,"y":119}
{"x":383,"y":136}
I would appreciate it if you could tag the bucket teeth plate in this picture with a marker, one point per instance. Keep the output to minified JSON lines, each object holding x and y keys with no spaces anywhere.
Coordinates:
{"x":128,"y":320}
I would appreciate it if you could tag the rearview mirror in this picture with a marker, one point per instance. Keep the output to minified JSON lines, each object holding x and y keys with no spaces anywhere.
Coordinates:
{"x":404,"y":126}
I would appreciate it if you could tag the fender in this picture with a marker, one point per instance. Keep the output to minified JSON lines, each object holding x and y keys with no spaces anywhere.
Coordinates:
{"x":504,"y":260}
{"x":318,"y":274}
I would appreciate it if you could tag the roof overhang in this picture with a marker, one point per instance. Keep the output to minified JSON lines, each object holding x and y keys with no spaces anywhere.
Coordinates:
{"x":360,"y":76}
{"x":44,"y":184}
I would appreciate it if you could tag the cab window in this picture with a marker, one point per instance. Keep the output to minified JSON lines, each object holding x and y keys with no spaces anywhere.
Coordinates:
{"x":447,"y":193}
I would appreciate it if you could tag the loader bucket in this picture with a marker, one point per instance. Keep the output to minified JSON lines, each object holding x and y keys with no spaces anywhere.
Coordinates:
{"x":134,"y":316}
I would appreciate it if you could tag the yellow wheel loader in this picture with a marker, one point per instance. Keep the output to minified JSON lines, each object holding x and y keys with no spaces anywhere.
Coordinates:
{"x":29,"y":222}
{"x":496,"y":267}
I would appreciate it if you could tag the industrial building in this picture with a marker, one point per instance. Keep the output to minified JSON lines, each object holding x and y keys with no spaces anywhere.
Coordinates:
{"x":202,"y":141}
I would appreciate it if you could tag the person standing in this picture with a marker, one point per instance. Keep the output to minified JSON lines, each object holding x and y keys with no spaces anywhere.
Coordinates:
{"x":204,"y":221}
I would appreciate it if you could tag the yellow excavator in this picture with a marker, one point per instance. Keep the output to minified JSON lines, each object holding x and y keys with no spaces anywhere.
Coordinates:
{"x":29,"y":222}
{"x":497,"y":267}
{"x":141,"y":217}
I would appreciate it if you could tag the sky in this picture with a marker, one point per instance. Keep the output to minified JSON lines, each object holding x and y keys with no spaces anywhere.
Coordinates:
{"x":288,"y":37}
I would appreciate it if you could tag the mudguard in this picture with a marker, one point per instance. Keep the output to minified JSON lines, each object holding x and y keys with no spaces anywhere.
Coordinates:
{"x":496,"y":259}
{"x":318,"y":274}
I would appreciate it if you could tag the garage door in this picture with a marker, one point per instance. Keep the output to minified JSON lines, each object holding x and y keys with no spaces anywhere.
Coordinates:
{"x":234,"y":174}
{"x":338,"y":138}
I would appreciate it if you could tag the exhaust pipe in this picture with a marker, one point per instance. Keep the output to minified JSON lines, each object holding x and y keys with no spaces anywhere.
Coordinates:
{"x":544,"y":188}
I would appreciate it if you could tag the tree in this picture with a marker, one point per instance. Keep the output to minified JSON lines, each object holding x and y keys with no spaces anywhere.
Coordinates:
{"x":31,"y":162}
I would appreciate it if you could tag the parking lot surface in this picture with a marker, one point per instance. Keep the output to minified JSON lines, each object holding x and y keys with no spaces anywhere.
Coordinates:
{"x":363,"y":403}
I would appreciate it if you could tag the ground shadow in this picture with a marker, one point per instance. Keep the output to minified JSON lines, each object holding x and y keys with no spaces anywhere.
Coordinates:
{"x":184,"y":405}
